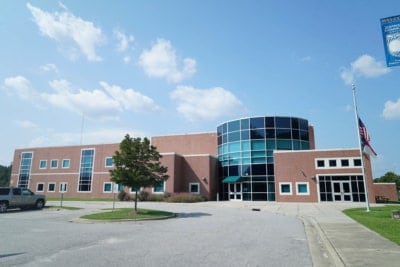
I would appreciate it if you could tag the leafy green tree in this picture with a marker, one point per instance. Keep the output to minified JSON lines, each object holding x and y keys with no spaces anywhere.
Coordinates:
{"x":389,"y":177}
{"x":137,"y":164}
{"x":5,"y":175}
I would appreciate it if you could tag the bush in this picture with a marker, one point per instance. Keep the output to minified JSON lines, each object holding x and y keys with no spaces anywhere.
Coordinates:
{"x":155,"y":197}
{"x":186,"y":198}
{"x":123,"y":196}
{"x":143,"y":196}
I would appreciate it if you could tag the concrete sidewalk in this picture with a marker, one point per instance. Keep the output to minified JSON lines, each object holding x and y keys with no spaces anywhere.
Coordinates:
{"x":335,"y":239}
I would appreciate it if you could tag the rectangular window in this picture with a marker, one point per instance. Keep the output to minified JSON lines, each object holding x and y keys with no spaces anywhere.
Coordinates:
{"x":344,"y":162}
{"x":63,"y":187}
{"x":107,"y":187}
{"x":39,"y":187}
{"x":332,"y":163}
{"x":54,"y":163}
{"x":302,"y":188}
{"x":194,"y":188}
{"x":66,"y":163}
{"x":25,"y":169}
{"x":321,"y":163}
{"x":86,"y":170}
{"x":133,"y":189}
{"x":109,"y":162}
{"x":357,"y":162}
{"x":285,"y":188}
{"x":159,"y":187}
{"x":51,"y":187}
{"x":43,"y":164}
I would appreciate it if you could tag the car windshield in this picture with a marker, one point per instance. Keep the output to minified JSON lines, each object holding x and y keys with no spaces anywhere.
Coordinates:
{"x":4,"y":191}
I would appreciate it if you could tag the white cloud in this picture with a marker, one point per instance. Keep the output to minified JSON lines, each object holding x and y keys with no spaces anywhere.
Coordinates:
{"x":65,"y":28}
{"x":391,"y":110}
{"x":49,"y":68}
{"x":96,"y":104}
{"x":21,"y":86}
{"x":365,"y":66}
{"x":124,"y":40}
{"x":129,"y":98}
{"x":203,"y":104}
{"x":127,"y":59}
{"x":160,"y":61}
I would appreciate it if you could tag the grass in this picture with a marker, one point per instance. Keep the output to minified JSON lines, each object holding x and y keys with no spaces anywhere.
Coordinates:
{"x":128,"y":213}
{"x":379,"y":220}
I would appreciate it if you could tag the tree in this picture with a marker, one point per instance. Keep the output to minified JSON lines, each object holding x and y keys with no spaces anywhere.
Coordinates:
{"x":5,"y":175}
{"x":137,"y":164}
{"x":389,"y":177}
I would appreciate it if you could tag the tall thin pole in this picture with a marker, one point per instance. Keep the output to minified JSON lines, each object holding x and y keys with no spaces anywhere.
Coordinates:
{"x":360,"y":148}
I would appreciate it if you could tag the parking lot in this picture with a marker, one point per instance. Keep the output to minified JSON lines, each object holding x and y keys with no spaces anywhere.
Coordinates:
{"x":202,"y":234}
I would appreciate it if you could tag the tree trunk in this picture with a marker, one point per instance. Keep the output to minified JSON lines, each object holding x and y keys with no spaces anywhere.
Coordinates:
{"x":136,"y":198}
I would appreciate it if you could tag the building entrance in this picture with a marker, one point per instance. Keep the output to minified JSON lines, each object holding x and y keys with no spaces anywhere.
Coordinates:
{"x":235,"y":191}
{"x":341,"y":191}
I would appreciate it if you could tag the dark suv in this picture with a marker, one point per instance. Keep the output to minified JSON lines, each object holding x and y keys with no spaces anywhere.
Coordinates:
{"x":11,"y":197}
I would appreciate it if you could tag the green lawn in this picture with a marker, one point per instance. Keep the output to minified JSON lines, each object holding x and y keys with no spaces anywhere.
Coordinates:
{"x":128,"y":213}
{"x":379,"y":219}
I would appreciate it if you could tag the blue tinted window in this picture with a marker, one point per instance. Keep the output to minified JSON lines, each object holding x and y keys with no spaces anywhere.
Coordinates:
{"x":245,"y":145}
{"x":245,"y":124}
{"x":282,"y":122}
{"x":258,"y":145}
{"x":283,"y":134}
{"x":257,"y":134}
{"x":284,"y":144}
{"x":245,"y":135}
{"x":232,"y":137}
{"x":233,"y":126}
{"x":305,"y":145}
{"x":260,"y":153}
{"x":270,"y":122}
{"x":271,"y":144}
{"x":304,"y":135}
{"x":259,"y":160}
{"x":295,"y":123}
{"x":295,"y":134}
{"x":234,"y":147}
{"x":270,"y":133}
{"x":256,"y":123}
{"x":303,"y":124}
{"x":219,"y":130}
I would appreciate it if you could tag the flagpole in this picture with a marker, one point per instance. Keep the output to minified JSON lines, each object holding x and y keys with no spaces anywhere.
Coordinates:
{"x":360,"y":148}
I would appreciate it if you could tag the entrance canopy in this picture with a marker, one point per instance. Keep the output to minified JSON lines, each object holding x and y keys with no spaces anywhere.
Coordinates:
{"x":232,"y":179}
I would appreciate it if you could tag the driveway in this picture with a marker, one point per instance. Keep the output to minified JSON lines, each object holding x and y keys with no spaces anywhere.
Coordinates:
{"x":203,"y":234}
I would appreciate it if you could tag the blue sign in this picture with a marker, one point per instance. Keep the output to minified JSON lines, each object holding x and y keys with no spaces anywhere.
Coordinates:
{"x":391,"y":40}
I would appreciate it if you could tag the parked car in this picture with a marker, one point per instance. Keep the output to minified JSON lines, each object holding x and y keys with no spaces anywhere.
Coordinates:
{"x":11,"y":197}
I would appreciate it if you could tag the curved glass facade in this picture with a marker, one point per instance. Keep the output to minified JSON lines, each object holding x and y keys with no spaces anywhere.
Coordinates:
{"x":245,"y":154}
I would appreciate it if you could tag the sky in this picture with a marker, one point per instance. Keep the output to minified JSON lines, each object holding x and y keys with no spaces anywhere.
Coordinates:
{"x":89,"y":72}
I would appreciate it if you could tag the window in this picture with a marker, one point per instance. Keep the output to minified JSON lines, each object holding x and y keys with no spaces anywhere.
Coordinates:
{"x":63,"y":187}
{"x":302,"y":188}
{"x":332,"y":163}
{"x":357,"y":162}
{"x":54,"y":163}
{"x":321,"y":163}
{"x":107,"y":187}
{"x":39,"y":187}
{"x":43,"y":164}
{"x":285,"y":188}
{"x":133,"y":189}
{"x":194,"y":188}
{"x":344,"y":162}
{"x":66,"y":163}
{"x":86,"y":170}
{"x":109,"y":162}
{"x":158,"y":187}
{"x":51,"y":187}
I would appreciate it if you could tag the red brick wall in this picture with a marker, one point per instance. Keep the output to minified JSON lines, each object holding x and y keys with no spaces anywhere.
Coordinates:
{"x":388,"y":190}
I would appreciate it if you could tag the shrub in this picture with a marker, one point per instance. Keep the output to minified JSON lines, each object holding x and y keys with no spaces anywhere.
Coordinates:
{"x":143,"y":196}
{"x":155,"y":197}
{"x":123,"y":196}
{"x":186,"y":198}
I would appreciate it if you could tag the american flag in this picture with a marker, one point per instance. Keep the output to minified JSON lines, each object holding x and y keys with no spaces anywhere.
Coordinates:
{"x":364,"y":136}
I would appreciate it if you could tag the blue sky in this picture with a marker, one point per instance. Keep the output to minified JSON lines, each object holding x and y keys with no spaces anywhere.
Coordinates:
{"x":173,"y":67}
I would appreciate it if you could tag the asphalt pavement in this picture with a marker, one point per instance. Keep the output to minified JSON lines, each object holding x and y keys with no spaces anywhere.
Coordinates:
{"x":203,"y":234}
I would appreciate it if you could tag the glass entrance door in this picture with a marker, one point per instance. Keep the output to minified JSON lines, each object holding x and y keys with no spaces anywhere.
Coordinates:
{"x":235,"y":191}
{"x":341,"y":191}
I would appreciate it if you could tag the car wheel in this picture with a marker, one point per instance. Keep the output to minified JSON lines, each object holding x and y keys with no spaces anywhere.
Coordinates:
{"x":39,"y":204}
{"x":3,"y":207}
